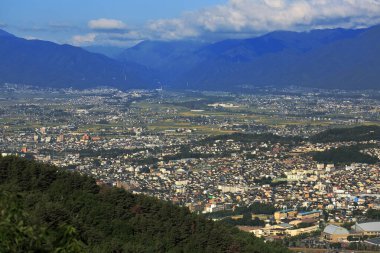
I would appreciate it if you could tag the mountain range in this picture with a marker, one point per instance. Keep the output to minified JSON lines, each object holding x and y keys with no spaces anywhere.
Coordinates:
{"x":47,"y":64}
{"x":329,"y":58}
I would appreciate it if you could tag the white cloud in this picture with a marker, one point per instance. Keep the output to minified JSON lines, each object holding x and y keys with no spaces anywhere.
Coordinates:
{"x":171,"y":29}
{"x":104,"y":24}
{"x":239,"y":18}
{"x":258,"y":16}
{"x":80,"y":40}
{"x":126,"y":39}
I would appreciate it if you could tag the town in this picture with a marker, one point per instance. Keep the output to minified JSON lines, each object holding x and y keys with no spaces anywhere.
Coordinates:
{"x":250,"y":159}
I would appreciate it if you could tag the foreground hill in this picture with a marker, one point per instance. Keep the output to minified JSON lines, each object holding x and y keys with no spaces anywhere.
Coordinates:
{"x":48,"y":64}
{"x":105,"y":219}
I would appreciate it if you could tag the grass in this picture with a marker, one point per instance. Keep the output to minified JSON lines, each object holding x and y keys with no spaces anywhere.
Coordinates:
{"x":239,"y":116}
{"x":171,"y":125}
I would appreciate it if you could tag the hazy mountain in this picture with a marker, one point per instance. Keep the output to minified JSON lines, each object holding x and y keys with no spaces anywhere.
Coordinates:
{"x":156,"y":54}
{"x":162,"y":57}
{"x":5,"y":34}
{"x":332,"y":58}
{"x":109,"y":51}
{"x":329,"y":59}
{"x":45,"y":63}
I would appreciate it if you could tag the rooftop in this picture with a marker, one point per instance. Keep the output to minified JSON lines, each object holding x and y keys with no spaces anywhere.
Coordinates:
{"x":311,"y":212}
{"x":368,"y":226}
{"x":336,"y":230}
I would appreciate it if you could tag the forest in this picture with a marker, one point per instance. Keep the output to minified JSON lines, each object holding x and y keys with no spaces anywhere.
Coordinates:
{"x":255,"y":138}
{"x":359,"y":133}
{"x":344,"y":155}
{"x":47,"y":209}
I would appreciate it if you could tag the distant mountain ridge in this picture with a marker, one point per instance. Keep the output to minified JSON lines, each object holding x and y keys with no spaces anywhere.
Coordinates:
{"x":5,"y":34}
{"x":108,"y":51}
{"x":48,"y":64}
{"x":330,"y":58}
{"x":334,"y":58}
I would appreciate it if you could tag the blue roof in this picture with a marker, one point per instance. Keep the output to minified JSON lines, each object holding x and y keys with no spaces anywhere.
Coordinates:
{"x":287,"y":210}
{"x":311,"y":212}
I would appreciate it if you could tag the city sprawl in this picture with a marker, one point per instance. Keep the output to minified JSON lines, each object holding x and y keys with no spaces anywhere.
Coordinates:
{"x":216,"y":153}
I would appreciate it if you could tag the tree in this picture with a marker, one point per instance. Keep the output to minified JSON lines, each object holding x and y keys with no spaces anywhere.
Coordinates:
{"x":63,"y":212}
{"x":18,"y":235}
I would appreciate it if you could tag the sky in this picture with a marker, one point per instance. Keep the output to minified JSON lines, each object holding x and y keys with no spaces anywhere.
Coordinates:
{"x":126,"y":22}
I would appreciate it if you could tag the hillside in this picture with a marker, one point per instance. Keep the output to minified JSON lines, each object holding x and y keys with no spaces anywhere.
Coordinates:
{"x":48,"y":64}
{"x":105,"y":219}
{"x":331,"y":58}
{"x":344,"y":155}
{"x":359,"y":133}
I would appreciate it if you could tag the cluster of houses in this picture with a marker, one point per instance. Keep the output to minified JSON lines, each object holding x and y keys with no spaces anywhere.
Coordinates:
{"x":288,"y":222}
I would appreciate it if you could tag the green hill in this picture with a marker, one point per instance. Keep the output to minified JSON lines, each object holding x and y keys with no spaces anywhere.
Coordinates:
{"x":359,"y":133}
{"x":46,"y":209}
{"x":344,"y":155}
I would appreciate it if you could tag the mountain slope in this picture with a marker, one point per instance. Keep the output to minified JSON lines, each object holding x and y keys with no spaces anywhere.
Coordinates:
{"x":109,"y":51}
{"x":155,"y":54}
{"x":333,"y":58}
{"x":113,"y":220}
{"x":163,"y":58}
{"x":5,"y":34}
{"x":48,"y":64}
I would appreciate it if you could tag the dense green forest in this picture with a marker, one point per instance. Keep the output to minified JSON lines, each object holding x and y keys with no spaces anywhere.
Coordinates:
{"x":246,"y":220}
{"x":246,"y":138}
{"x":47,"y":209}
{"x":255,"y":208}
{"x":344,"y":155}
{"x":360,"y":133}
{"x":246,"y":212}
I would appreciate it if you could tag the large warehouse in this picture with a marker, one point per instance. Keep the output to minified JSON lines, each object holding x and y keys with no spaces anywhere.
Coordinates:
{"x":334,"y":233}
{"x":368,"y":228}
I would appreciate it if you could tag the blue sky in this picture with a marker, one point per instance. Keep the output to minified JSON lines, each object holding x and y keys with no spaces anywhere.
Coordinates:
{"x":41,"y":12}
{"x":58,"y":19}
{"x":126,"y":22}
